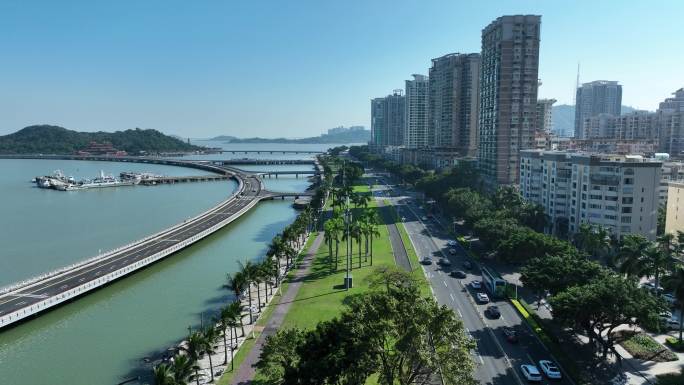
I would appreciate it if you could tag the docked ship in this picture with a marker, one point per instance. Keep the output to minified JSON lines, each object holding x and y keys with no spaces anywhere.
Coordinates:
{"x":58,"y":181}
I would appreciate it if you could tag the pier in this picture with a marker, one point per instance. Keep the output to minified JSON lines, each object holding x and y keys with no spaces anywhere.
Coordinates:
{"x":36,"y":295}
{"x":181,"y":179}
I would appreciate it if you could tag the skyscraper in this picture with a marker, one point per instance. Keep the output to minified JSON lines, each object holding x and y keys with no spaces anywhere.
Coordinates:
{"x":415,"y":133}
{"x":453,"y":103}
{"x":545,"y":115}
{"x":670,"y":115}
{"x":508,"y":95}
{"x":387,"y":120}
{"x":594,"y":98}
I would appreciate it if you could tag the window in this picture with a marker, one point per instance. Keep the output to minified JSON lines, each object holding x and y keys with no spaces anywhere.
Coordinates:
{"x":611,"y":217}
{"x":627,"y":200}
{"x":626,"y":210}
{"x":629,"y":181}
{"x":594,"y":196}
{"x":626,"y":219}
{"x":594,"y":206}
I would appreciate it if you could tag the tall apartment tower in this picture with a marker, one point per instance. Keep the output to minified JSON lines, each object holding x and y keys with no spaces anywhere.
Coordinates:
{"x":594,"y":98}
{"x":670,"y":115}
{"x":387,"y":120}
{"x":454,"y":103}
{"x":508,"y":95}
{"x":545,"y":115}
{"x":415,"y":132}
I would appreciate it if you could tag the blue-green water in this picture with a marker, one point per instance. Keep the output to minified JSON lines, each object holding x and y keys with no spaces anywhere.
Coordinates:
{"x":102,"y":338}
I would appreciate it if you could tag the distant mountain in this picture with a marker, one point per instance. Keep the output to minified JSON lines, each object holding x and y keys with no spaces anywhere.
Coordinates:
{"x":564,"y":118}
{"x":223,"y":138}
{"x":45,"y":139}
{"x":334,"y":136}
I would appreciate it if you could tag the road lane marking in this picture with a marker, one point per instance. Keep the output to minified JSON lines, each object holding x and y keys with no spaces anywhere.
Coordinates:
{"x":459,"y":313}
{"x":445,"y":284}
{"x":452,"y":297}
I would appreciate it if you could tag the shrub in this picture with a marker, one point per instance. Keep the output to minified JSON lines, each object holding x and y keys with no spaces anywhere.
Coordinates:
{"x":674,"y":344}
{"x":644,"y":347}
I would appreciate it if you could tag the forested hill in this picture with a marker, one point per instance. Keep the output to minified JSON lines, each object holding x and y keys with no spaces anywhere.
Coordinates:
{"x":356,"y":136}
{"x":45,"y":139}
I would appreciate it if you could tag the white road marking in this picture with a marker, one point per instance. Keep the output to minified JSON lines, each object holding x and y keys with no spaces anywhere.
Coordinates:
{"x":445,"y":284}
{"x":481,"y":360}
{"x":459,"y":313}
{"x":452,"y":296}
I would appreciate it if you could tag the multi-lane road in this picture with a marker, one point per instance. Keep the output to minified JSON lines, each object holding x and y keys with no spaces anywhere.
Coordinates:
{"x":498,"y":361}
{"x":32,"y":298}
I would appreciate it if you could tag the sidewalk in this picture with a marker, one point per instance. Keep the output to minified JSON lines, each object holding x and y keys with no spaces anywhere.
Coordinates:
{"x":246,"y":371}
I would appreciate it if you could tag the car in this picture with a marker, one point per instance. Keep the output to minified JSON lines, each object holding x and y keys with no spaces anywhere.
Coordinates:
{"x":510,"y":334}
{"x":531,"y":373}
{"x":403,"y":219}
{"x":451,"y":243}
{"x":426,"y":261}
{"x":493,"y":311}
{"x":444,"y":262}
{"x":458,"y":274}
{"x":423,"y":218}
{"x":482,"y":298}
{"x":652,"y":287}
{"x":452,"y":251}
{"x":670,"y":323}
{"x":550,"y":370}
{"x":467,"y":265}
{"x":665,"y":315}
{"x":476,"y":285}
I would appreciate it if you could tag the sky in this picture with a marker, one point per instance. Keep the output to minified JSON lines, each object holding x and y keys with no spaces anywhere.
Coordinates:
{"x":296,"y":68}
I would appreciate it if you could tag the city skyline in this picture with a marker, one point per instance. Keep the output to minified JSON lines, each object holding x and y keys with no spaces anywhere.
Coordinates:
{"x":117,"y":66}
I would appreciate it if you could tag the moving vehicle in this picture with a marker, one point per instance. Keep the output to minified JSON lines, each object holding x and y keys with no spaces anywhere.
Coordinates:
{"x":458,"y":274}
{"x":510,"y":334}
{"x":452,"y":251}
{"x":531,"y":373}
{"x":550,"y":370}
{"x":482,"y":298}
{"x":493,"y":282}
{"x":444,"y":262}
{"x":423,"y":218}
{"x":426,"y":261}
{"x":476,"y":285}
{"x":451,"y":243}
{"x":493,"y":312}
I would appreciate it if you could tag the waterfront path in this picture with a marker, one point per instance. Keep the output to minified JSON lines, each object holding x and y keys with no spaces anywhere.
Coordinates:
{"x":246,"y":371}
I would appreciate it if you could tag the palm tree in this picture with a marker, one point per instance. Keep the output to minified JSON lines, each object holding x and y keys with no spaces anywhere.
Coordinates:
{"x":631,"y":254}
{"x":594,"y":240}
{"x":228,"y":320}
{"x":363,"y":200}
{"x":329,"y":237}
{"x":194,"y":350}
{"x":372,"y":219}
{"x":163,"y":374}
{"x":248,"y":271}
{"x":237,"y":309}
{"x":675,"y":281}
{"x":182,"y":368}
{"x":355,"y":230}
{"x":656,"y":262}
{"x":209,"y":336}
{"x":237,"y":283}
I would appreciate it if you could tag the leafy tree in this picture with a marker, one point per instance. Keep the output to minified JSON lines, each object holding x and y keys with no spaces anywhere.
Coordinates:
{"x":279,"y":359}
{"x":557,"y":272}
{"x":592,"y":239}
{"x":534,"y":216}
{"x":660,"y":224}
{"x":525,"y":244}
{"x":631,"y":254}
{"x":604,"y":304}
{"x":163,"y":374}
{"x":183,"y":369}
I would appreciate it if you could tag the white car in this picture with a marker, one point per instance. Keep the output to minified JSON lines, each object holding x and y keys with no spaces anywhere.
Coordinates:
{"x":476,"y":285}
{"x":482,"y":298}
{"x":531,"y":373}
{"x":451,"y":242}
{"x":550,"y":369}
{"x":670,"y":299}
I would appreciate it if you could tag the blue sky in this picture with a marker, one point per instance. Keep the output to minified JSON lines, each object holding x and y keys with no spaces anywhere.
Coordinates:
{"x":295,"y":68}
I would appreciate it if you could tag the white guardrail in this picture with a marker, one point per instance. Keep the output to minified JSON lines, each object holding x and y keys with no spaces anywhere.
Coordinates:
{"x":49,"y":302}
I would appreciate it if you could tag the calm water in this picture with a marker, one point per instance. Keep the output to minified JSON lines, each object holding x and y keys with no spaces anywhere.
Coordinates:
{"x":103,"y":337}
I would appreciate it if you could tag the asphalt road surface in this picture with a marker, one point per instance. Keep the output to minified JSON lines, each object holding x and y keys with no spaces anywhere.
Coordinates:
{"x":63,"y":282}
{"x":498,"y":361}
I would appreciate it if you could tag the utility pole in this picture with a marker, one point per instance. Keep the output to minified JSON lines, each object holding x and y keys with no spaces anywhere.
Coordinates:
{"x":347,"y":218}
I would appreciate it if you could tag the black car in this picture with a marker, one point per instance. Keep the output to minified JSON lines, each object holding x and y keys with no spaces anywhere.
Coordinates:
{"x":426,"y":261}
{"x":458,"y":274}
{"x":510,"y":334}
{"x":493,"y":311}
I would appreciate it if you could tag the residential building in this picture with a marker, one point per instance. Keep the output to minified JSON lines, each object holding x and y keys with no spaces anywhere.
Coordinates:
{"x":619,"y":192}
{"x":611,"y":146}
{"x":670,"y":115}
{"x":593,"y":98}
{"x":387,"y":120}
{"x":545,"y":115}
{"x":637,"y":125}
{"x":453,"y":104}
{"x":508,"y":96}
{"x":415,"y":128}
{"x":674,"y":215}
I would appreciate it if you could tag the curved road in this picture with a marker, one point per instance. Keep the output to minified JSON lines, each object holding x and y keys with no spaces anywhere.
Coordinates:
{"x":26,"y":299}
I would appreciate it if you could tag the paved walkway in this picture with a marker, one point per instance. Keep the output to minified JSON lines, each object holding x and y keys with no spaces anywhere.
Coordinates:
{"x":398,"y":247}
{"x":245,"y":373}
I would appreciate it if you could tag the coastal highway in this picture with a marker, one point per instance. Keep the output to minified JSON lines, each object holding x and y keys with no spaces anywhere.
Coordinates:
{"x":250,"y":190}
{"x":498,"y":361}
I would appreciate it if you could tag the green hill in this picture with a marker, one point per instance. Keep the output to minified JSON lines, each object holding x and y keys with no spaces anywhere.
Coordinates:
{"x":45,"y":139}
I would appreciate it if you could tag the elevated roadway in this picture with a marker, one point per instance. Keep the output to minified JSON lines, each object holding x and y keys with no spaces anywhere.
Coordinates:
{"x":28,"y":298}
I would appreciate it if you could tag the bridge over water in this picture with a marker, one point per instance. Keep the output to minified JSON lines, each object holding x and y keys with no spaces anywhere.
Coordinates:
{"x":28,"y":298}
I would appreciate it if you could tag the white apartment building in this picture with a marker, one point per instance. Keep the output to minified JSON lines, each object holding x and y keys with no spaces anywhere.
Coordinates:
{"x":618,"y":192}
{"x":416,"y":121}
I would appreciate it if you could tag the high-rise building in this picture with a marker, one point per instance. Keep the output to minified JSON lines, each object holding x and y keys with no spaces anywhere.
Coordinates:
{"x":453,"y":104}
{"x":508,"y":95}
{"x":618,"y":192}
{"x":670,"y":115}
{"x":387,"y":120}
{"x":545,"y":115}
{"x":594,"y":98}
{"x":415,"y":131}
{"x":635,"y":125}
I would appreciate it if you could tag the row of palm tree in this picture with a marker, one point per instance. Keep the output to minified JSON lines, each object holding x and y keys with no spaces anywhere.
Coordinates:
{"x":363,"y":227}
{"x":183,"y":367}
